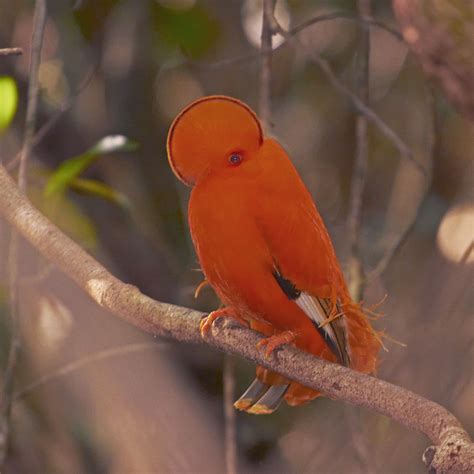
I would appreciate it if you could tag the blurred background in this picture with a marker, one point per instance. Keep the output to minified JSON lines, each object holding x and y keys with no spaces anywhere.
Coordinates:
{"x":134,"y":404}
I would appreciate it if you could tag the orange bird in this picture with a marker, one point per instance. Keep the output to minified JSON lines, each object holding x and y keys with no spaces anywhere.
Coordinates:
{"x":263,"y":246}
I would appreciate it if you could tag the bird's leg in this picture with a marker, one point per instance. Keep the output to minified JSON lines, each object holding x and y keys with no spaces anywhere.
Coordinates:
{"x":228,"y":312}
{"x":273,"y":342}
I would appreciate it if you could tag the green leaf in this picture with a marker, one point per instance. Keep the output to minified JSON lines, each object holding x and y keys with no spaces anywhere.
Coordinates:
{"x":101,"y":190}
{"x":8,"y":101}
{"x":72,"y":168}
{"x":193,"y":30}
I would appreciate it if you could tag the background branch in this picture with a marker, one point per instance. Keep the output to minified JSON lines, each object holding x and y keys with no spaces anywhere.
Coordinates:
{"x":359,"y":174}
{"x":298,"y":29}
{"x":363,"y":21}
{"x":453,"y":448}
{"x":400,"y":240}
{"x":357,"y":280}
{"x":265,"y":108}
{"x":230,"y":416}
{"x":356,"y":101}
{"x":53,"y":120}
{"x":33,"y":89}
{"x":13,"y":251}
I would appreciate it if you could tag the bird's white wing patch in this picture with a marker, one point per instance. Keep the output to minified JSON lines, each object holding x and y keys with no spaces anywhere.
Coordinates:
{"x":335,"y":332}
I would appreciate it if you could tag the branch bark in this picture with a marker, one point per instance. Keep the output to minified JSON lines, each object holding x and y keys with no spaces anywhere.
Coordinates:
{"x":452,"y":446}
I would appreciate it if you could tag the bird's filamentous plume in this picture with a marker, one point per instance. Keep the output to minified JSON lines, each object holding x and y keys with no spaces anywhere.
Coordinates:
{"x":263,"y":246}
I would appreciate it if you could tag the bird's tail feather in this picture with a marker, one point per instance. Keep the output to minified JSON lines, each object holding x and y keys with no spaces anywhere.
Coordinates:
{"x":261,"y":398}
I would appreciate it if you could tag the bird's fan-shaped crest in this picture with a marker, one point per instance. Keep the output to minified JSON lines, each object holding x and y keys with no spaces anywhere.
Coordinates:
{"x":207,"y":130}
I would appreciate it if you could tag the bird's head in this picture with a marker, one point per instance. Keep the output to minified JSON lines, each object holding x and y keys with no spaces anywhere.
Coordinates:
{"x":211,"y":134}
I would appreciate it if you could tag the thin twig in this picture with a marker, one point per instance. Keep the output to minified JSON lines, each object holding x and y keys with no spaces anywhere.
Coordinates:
{"x":68,"y":369}
{"x":298,"y":29}
{"x":359,"y":105}
{"x":51,"y":122}
{"x":392,"y":249}
{"x":33,"y":89}
{"x":398,"y":243}
{"x":359,"y":175}
{"x":452,"y":448}
{"x":357,"y":280}
{"x":467,"y":253}
{"x":265,"y":102}
{"x":230,"y":416}
{"x":363,"y":21}
{"x":13,"y":251}
{"x":11,"y":51}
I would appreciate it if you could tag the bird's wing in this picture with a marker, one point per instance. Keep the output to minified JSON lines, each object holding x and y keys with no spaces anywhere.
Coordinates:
{"x":329,"y":322}
{"x":304,"y":262}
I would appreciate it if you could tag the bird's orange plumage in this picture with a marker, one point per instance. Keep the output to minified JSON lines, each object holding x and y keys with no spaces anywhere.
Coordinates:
{"x":256,"y":230}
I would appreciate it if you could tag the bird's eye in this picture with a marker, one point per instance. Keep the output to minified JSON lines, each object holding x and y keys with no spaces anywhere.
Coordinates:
{"x":235,"y":159}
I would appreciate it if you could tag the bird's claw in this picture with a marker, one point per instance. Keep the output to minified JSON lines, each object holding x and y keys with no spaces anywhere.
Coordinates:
{"x":274,"y":342}
{"x":207,"y":322}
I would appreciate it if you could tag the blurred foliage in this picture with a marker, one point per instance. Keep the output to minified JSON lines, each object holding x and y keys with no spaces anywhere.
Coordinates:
{"x":55,"y":204}
{"x":193,"y":31}
{"x":91,"y":15}
{"x":67,"y":174}
{"x":8,"y":101}
{"x":93,"y":187}
{"x":67,"y":215}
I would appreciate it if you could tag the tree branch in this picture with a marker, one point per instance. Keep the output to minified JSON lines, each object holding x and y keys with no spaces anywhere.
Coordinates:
{"x":298,"y":29}
{"x":33,"y":89}
{"x":356,"y":101}
{"x":363,"y":21}
{"x":452,"y":444}
{"x":357,"y":281}
{"x":230,"y":418}
{"x":395,"y":245}
{"x":265,"y":105}
{"x":13,"y":251}
{"x":53,"y":120}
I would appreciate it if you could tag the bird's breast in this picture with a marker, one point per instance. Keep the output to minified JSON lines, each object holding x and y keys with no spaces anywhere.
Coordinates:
{"x":229,"y":245}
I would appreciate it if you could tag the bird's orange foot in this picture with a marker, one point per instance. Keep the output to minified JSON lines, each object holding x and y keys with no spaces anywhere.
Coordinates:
{"x":207,"y":322}
{"x":274,"y":342}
